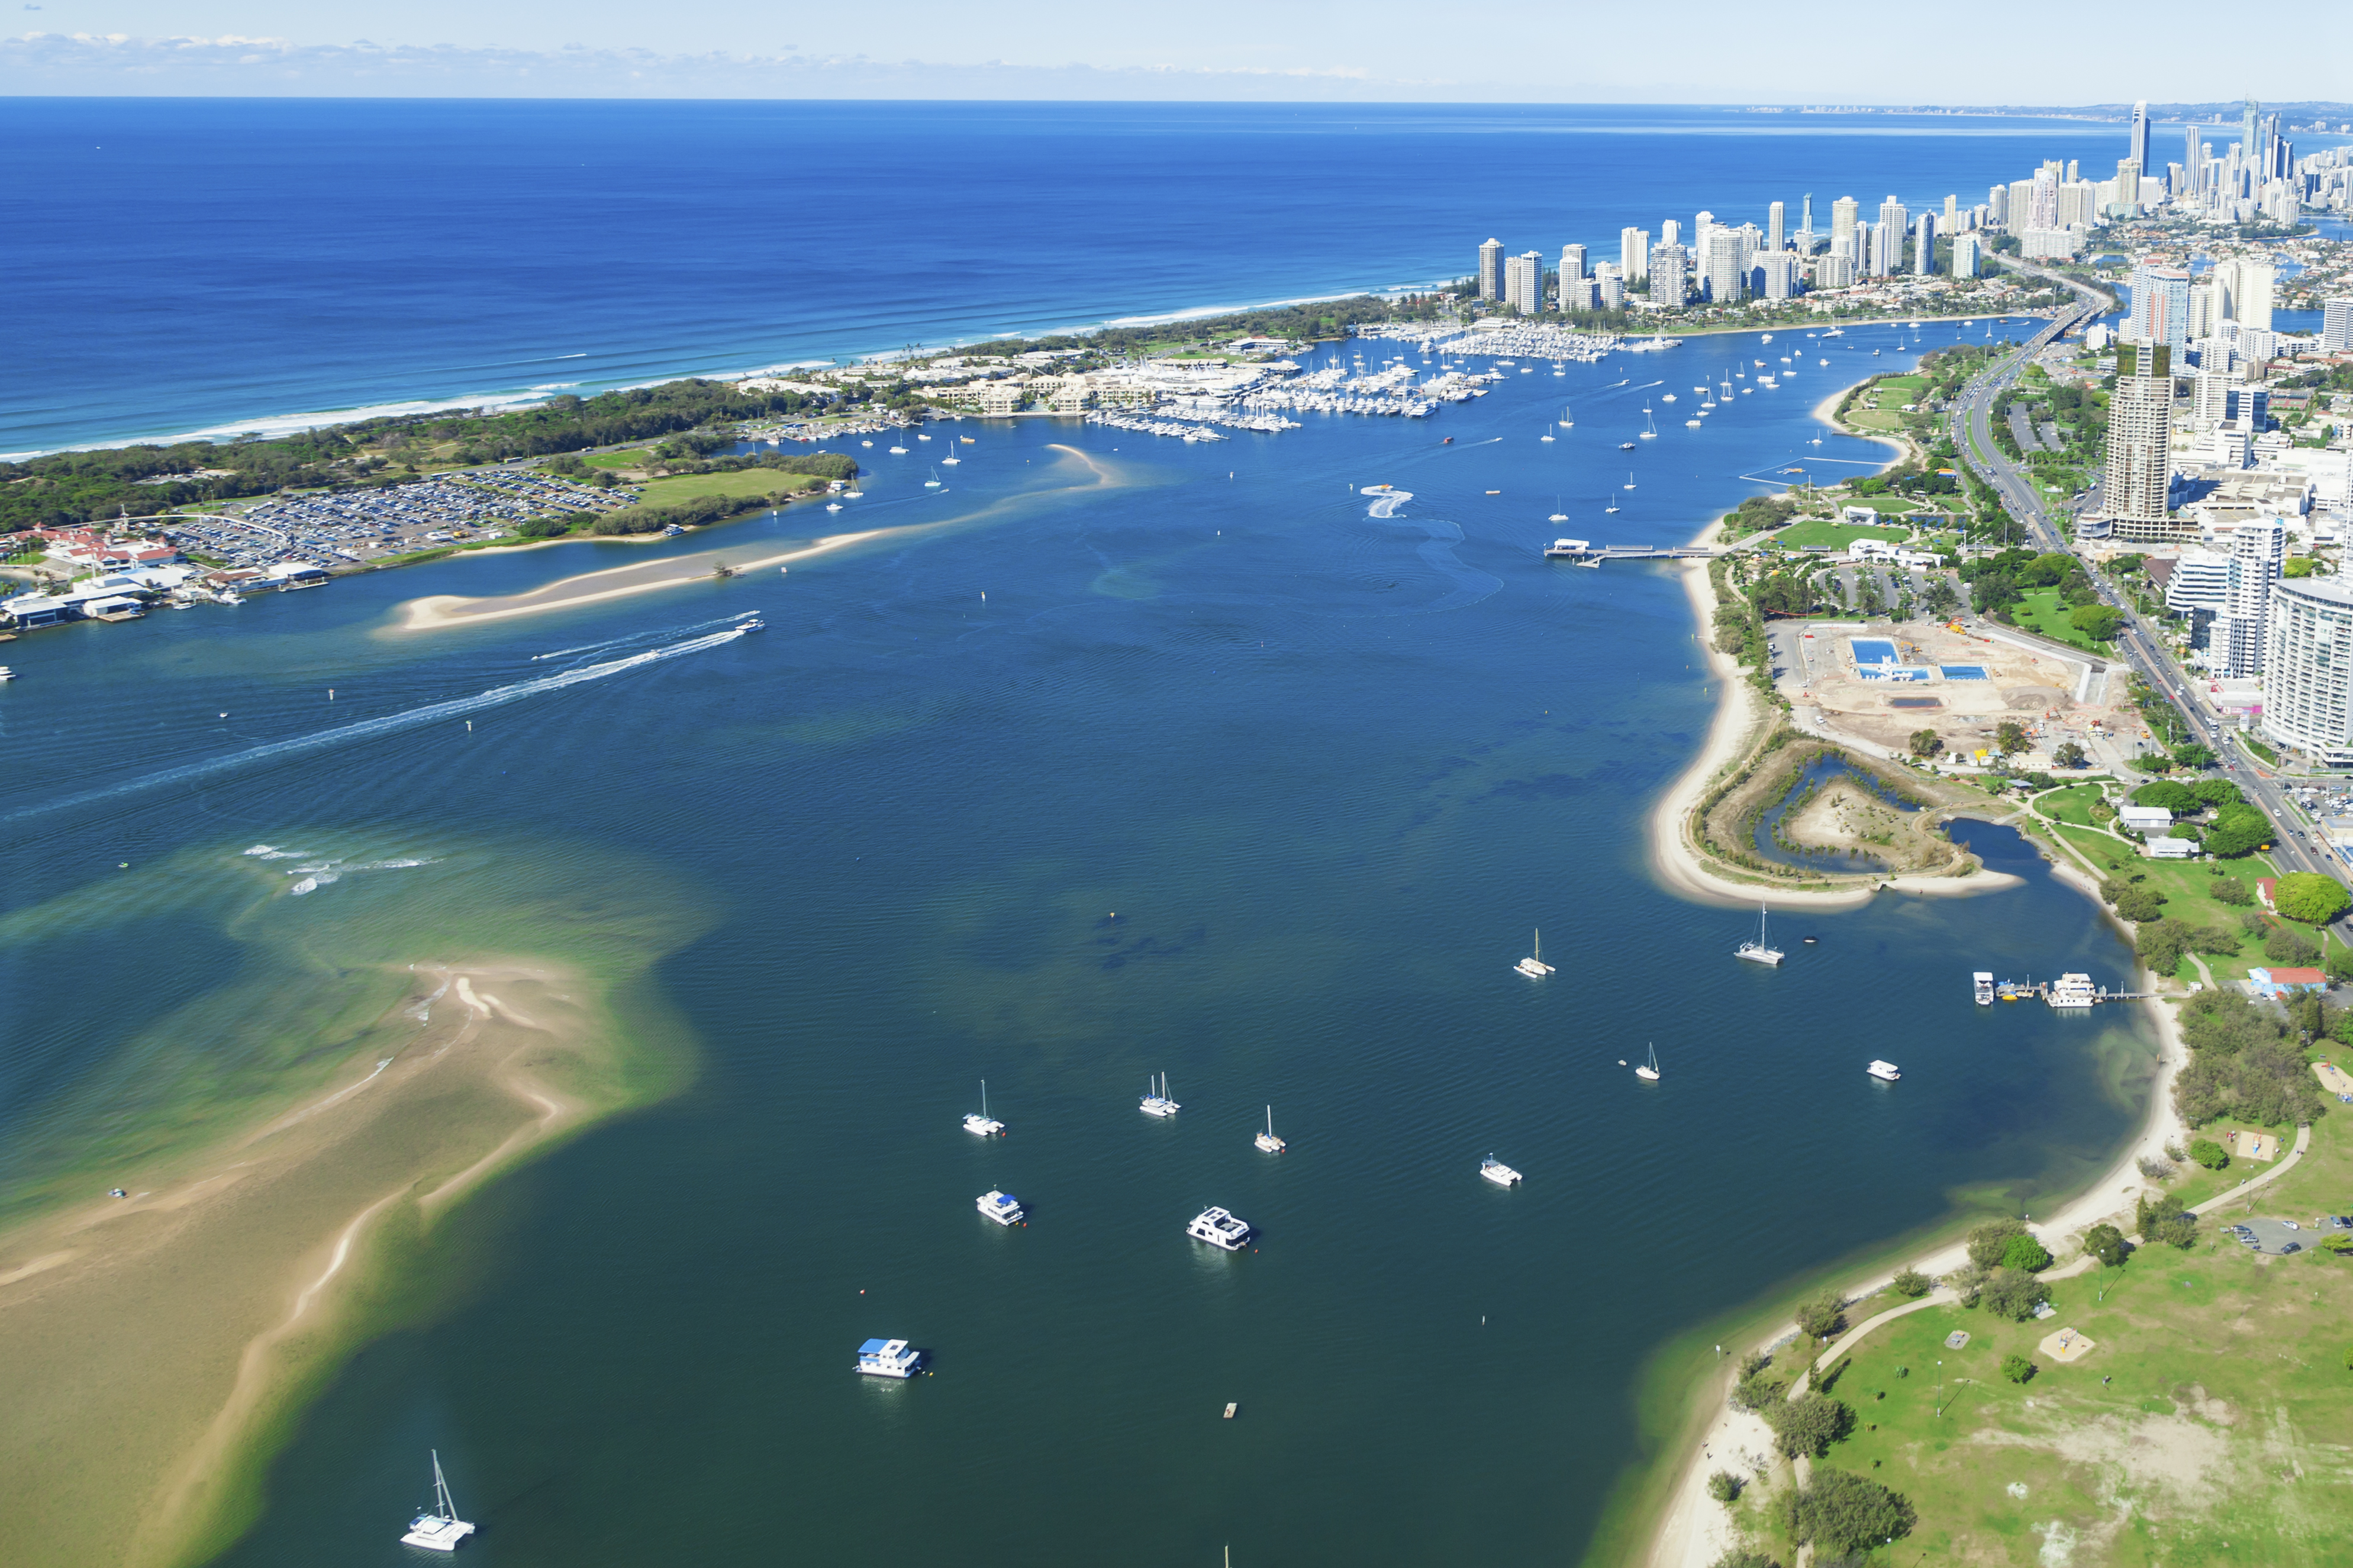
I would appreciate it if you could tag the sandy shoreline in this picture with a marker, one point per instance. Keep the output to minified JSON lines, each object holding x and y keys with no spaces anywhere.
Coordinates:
{"x":161,"y":1346}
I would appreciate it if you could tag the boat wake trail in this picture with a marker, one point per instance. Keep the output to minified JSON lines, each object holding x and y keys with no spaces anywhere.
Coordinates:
{"x":1387,"y":503}
{"x":640,"y":640}
{"x":390,"y":723}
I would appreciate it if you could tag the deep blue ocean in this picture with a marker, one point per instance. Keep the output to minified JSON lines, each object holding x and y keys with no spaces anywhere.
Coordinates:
{"x":181,"y":265}
{"x":1147,"y":757}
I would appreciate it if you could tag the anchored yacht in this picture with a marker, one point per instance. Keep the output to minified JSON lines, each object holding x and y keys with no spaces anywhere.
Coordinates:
{"x":889,"y":1358}
{"x":979,"y":1123}
{"x":1757,"y":951}
{"x":1535,"y":967}
{"x":1267,"y":1140}
{"x":1002,"y":1207}
{"x":1984,"y":979}
{"x":441,"y":1530}
{"x":2072,"y":991}
{"x":1219,"y":1228}
{"x":1884,"y":1071}
{"x":1495,"y":1171}
{"x":1155,"y":1101}
{"x":1648,"y":1072}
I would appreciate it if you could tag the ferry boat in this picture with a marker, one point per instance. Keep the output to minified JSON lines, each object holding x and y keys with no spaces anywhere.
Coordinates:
{"x":1219,"y":1228}
{"x":1884,"y":1071}
{"x":1155,"y":1101}
{"x":1648,"y":1072}
{"x":1002,"y":1207}
{"x":1984,"y":981}
{"x":979,"y":1123}
{"x":1495,"y":1171}
{"x":1267,"y":1140}
{"x":441,"y":1530}
{"x":1535,"y":967}
{"x":2072,"y":991}
{"x":889,"y":1358}
{"x":1757,"y":951}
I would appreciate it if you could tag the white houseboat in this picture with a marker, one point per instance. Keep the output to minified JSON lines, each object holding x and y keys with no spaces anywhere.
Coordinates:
{"x":2072,"y":991}
{"x":1002,"y":1207}
{"x":889,"y":1358}
{"x":1219,"y":1228}
{"x":1495,"y":1171}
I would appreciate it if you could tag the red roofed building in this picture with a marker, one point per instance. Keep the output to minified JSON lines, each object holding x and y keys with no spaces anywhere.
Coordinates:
{"x":2264,"y":887}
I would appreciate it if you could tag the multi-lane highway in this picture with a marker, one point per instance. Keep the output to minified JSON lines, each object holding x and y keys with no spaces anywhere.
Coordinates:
{"x":2142,"y":645}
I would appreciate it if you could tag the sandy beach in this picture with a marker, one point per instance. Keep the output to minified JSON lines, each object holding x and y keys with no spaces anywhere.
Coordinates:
{"x":159,"y":1344}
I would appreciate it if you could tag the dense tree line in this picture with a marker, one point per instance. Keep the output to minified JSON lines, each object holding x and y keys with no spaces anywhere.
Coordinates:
{"x":2246,"y":1062}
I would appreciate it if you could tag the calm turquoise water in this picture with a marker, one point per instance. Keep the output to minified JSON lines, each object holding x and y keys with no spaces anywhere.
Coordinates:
{"x":1223,"y":778}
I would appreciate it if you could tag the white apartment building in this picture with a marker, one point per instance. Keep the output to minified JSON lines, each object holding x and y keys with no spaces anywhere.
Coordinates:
{"x":1490,"y":270}
{"x":2335,"y":325}
{"x":2140,"y":443}
{"x":1722,"y":273}
{"x":1968,"y":256}
{"x":1670,"y":276}
{"x":2308,"y":669}
{"x":1633,"y":254}
{"x":2257,"y":550}
{"x":1524,"y":282}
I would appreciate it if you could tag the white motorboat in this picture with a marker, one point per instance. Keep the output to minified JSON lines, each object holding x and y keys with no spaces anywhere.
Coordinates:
{"x":1694,"y":423}
{"x":833,"y":506}
{"x":1648,"y":1072}
{"x":7,"y":673}
{"x":1984,"y":979}
{"x":1535,"y":967}
{"x":853,"y":495}
{"x":1757,"y":951}
{"x":1002,"y":1207}
{"x":1666,"y":397}
{"x":922,"y":438}
{"x":1884,"y":1071}
{"x":1495,"y":1171}
{"x":440,"y":1530}
{"x":898,"y":451}
{"x":979,"y":1123}
{"x":1155,"y":1101}
{"x":1267,"y":1140}
{"x":1219,"y":1228}
{"x":889,"y":1358}
{"x":2072,"y":991}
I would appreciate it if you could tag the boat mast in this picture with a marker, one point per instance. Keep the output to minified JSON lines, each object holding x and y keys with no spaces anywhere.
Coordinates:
{"x":441,"y":1490}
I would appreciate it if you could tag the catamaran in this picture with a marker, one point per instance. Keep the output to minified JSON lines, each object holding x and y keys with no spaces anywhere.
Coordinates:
{"x":1757,"y":951}
{"x":1267,"y":1140}
{"x":1648,"y":1072}
{"x":980,"y":1124}
{"x":441,"y":1530}
{"x":1884,"y":1071}
{"x":1155,"y":1101}
{"x":1535,"y":968}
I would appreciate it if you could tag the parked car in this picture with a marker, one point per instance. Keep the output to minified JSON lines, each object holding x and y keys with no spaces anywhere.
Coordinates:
{"x":2291,"y":1247}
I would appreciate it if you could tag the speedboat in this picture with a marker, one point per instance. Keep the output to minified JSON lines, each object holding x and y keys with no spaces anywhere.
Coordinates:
{"x":1219,"y":1228}
{"x":1884,"y":1071}
{"x":889,"y":1358}
{"x":1002,"y":1207}
{"x":1495,"y":1171}
{"x":441,"y":1530}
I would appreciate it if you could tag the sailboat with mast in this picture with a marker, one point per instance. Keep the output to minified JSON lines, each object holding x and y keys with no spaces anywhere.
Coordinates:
{"x":981,"y":1124}
{"x":1267,"y":1140}
{"x":1757,"y":952}
{"x":1535,"y":967}
{"x":441,"y":1530}
{"x":1155,"y":1101}
{"x":1650,"y":431}
{"x":1567,"y":417}
{"x":1648,"y":1072}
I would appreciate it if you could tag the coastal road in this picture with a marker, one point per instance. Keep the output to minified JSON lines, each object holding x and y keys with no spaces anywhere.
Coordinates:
{"x":1972,"y":412}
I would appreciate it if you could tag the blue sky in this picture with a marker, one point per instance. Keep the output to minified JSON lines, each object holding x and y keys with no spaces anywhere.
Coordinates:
{"x":1693,"y":51}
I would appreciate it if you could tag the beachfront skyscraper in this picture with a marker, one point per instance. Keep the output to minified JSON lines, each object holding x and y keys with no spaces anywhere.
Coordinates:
{"x":1490,"y":270}
{"x":1777,"y":219}
{"x":2140,"y":435}
{"x":1721,"y":272}
{"x":1670,"y":276}
{"x":1967,"y":254}
{"x":1572,"y":262}
{"x":2161,"y":306}
{"x":1670,"y":233}
{"x":1924,"y":252}
{"x":1633,"y":254}
{"x":2137,"y":148}
{"x":1842,"y":223}
{"x":1610,"y":285}
{"x":2257,"y":550}
{"x":1524,"y":282}
{"x":1897,"y":217}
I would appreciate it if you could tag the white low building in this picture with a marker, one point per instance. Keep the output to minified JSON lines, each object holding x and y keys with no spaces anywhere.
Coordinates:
{"x":2145,"y":818}
{"x":2172,"y":848}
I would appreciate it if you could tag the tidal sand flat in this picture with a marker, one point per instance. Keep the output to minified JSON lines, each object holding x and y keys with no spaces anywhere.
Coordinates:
{"x":159,"y":1343}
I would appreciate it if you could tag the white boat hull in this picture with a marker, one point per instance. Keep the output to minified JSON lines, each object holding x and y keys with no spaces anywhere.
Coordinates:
{"x":1502,"y":1175}
{"x":1646,"y":1075}
{"x":435,"y":1534}
{"x":1768,"y":956}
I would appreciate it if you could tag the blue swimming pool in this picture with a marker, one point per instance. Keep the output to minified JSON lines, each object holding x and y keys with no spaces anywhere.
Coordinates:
{"x":1964,"y":671}
{"x":1872,"y":650}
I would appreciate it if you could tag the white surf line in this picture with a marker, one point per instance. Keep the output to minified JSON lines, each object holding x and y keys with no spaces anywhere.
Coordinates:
{"x":369,"y":728}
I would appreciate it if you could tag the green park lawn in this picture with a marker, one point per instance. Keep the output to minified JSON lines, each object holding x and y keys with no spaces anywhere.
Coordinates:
{"x":1864,"y":418}
{"x":742,"y":482}
{"x":2070,"y":805}
{"x":2187,"y":886}
{"x":1823,"y":531}
{"x":634,"y":459}
{"x":2040,"y":611}
{"x":2193,"y":1432}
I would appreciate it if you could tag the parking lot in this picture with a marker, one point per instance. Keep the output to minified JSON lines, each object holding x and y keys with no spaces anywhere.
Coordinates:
{"x":2279,"y":1236}
{"x":345,"y":527}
